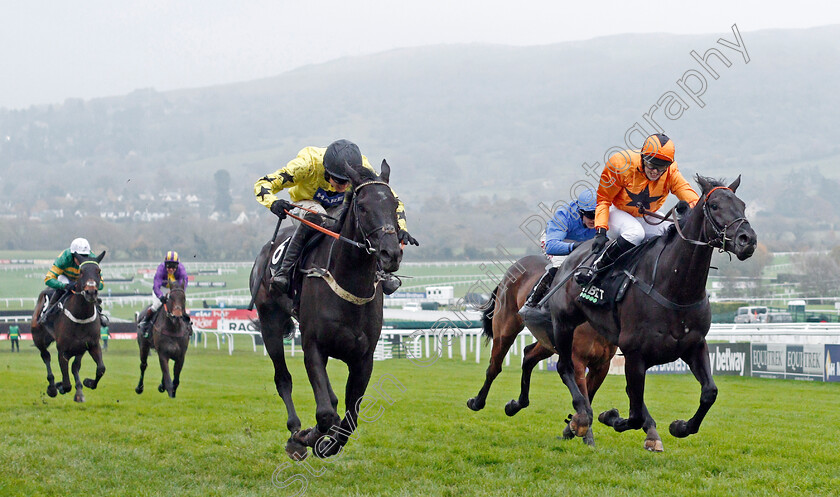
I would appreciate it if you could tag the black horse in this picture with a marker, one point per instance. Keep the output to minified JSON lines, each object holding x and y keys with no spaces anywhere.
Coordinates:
{"x":74,"y":331}
{"x":340,"y":312}
{"x":665,"y":314}
{"x":170,"y":336}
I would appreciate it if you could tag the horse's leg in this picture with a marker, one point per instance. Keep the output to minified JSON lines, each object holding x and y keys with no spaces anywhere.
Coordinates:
{"x":77,"y":365}
{"x":582,"y":379}
{"x":273,"y":340}
{"x":166,"y":382}
{"x":697,"y":359}
{"x":581,"y":421}
{"x":47,"y":358}
{"x":325,"y":416}
{"x":179,"y":363}
{"x":501,"y":345}
{"x":64,"y":364}
{"x":96,"y":354}
{"x":144,"y":355}
{"x":333,"y":396}
{"x":634,"y":372}
{"x":533,"y":354}
{"x":357,"y":382}
{"x":652,"y":441}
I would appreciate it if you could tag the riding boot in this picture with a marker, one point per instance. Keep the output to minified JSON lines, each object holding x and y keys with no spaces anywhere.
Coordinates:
{"x":390,"y":282}
{"x":51,"y":307}
{"x":530,"y":311}
{"x":189,"y":324}
{"x":613,"y":251}
{"x":103,"y":319}
{"x":145,"y":324}
{"x":282,"y":279}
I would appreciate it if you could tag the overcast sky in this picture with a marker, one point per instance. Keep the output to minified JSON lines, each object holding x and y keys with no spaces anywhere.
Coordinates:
{"x":57,"y":49}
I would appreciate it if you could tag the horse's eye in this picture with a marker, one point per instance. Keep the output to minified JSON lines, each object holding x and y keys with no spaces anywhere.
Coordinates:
{"x":714,"y":206}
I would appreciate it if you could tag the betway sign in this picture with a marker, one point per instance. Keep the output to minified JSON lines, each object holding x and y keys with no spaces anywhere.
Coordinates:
{"x":725,"y":358}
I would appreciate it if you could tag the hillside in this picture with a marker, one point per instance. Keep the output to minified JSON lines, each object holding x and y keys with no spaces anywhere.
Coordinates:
{"x":483,"y":131}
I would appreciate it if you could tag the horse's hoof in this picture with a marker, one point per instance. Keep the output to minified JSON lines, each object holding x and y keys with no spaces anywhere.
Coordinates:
{"x":608,"y":417}
{"x":579,"y":425}
{"x":61,"y":389}
{"x":512,"y":407}
{"x":88,"y":383}
{"x":567,"y":433}
{"x":296,"y":450}
{"x":326,"y":446}
{"x":51,"y":391}
{"x":161,"y":389}
{"x":474,"y":405}
{"x":679,"y":429}
{"x":172,"y":394}
{"x":79,"y":398}
{"x":654,"y":446}
{"x":139,"y":389}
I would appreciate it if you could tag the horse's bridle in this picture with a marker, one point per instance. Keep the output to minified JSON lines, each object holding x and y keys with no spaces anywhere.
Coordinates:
{"x":386,"y":228}
{"x":720,"y":239}
{"x":79,"y":280}
{"x":166,"y":307}
{"x":720,"y":231}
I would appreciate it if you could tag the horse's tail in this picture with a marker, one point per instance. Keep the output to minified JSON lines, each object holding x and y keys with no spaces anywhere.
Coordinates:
{"x":487,"y":317}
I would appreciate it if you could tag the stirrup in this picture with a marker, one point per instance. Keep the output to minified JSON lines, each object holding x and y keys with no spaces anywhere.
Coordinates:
{"x":280,"y":282}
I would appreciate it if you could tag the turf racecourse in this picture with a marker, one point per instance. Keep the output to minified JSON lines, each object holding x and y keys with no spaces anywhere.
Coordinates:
{"x":224,"y":435}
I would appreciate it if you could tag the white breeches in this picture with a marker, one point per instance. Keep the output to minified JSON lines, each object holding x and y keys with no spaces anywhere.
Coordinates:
{"x":634,"y":229}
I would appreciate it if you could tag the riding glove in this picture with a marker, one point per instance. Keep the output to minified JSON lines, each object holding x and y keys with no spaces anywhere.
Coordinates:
{"x":280,"y":206}
{"x":163,"y":299}
{"x":407,"y":239}
{"x":600,"y":240}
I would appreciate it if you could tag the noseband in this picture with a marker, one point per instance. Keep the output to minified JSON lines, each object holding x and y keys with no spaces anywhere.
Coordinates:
{"x":387,"y":229}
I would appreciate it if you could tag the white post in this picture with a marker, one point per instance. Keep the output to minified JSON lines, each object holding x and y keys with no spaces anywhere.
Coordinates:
{"x":428,"y":352}
{"x":522,"y":348}
{"x":449,"y":340}
{"x":477,"y":348}
{"x":293,"y":345}
{"x":230,"y":343}
{"x":463,"y":346}
{"x":507,"y":357}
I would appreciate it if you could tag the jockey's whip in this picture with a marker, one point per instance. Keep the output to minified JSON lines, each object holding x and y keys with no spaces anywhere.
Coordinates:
{"x":333,"y":234}
{"x":276,"y":230}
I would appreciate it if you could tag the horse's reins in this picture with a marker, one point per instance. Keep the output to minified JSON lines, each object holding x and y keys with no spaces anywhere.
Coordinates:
{"x":720,"y":239}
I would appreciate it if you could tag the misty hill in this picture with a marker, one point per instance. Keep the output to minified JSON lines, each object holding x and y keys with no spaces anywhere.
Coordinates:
{"x":477,"y":135}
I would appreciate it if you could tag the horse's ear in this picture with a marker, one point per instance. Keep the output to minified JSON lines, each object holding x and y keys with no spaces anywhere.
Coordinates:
{"x":735,"y":184}
{"x":99,"y":258}
{"x":354,"y":175}
{"x":705,"y":184}
{"x":385,"y":173}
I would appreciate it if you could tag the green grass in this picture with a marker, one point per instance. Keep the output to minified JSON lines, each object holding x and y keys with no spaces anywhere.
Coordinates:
{"x":225,"y":433}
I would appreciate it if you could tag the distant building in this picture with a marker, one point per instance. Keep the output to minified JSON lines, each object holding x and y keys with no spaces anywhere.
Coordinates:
{"x":444,"y":295}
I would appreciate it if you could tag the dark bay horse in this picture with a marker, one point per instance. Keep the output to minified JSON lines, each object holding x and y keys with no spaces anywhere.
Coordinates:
{"x":170,"y":337}
{"x":340,"y":312}
{"x":75,"y":330}
{"x":502,"y":324}
{"x":665,"y":314}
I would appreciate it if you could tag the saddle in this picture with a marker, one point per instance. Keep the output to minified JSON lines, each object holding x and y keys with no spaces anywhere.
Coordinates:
{"x":608,"y":287}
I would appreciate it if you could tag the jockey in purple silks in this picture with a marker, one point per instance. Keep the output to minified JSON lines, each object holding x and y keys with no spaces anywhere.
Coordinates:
{"x":169,"y":271}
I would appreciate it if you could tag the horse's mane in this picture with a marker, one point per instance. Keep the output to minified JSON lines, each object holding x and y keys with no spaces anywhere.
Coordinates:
{"x":712,"y":182}
{"x":366,"y":173}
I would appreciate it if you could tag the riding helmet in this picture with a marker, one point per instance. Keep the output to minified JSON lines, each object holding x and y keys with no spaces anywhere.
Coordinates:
{"x":80,"y":246}
{"x":171,"y":256}
{"x":658,"y":150}
{"x":586,"y":200}
{"x":339,"y":153}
